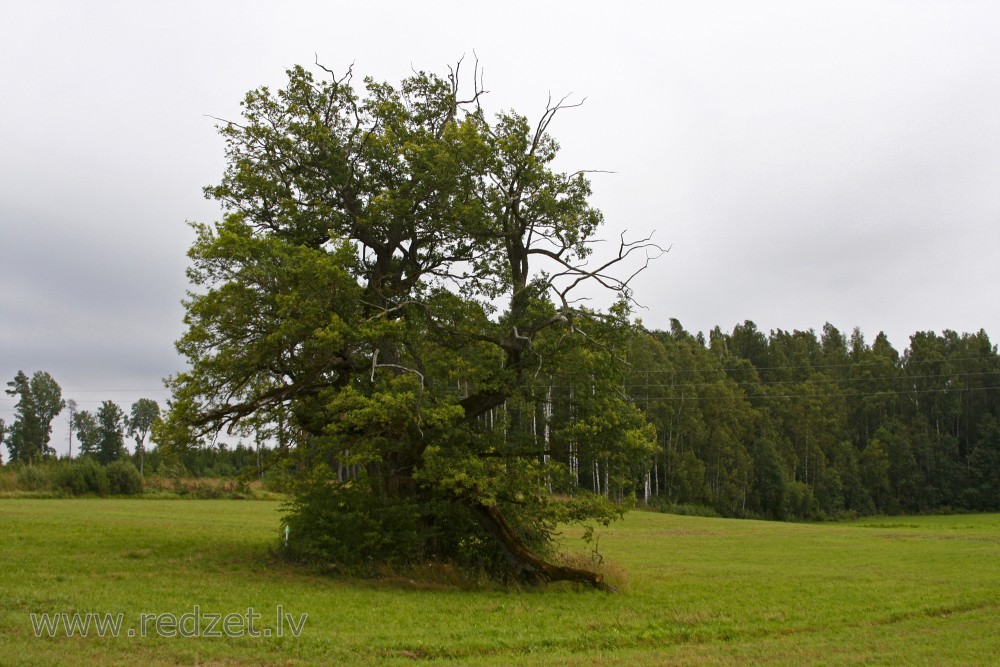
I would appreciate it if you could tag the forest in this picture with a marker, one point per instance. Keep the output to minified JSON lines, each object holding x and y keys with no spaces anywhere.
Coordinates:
{"x":795,"y":425}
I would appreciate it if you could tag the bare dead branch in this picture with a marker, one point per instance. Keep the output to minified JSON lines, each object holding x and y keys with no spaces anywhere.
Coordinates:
{"x":347,"y":77}
{"x":376,"y":365}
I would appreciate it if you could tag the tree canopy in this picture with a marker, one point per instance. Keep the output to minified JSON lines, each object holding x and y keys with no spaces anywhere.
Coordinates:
{"x":39,"y":401}
{"x":143,"y":415}
{"x":111,"y":422}
{"x":395,"y":283}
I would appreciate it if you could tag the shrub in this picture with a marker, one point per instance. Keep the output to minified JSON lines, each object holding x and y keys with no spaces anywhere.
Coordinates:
{"x":207,"y":489}
{"x":279,"y":479}
{"x":81,"y":477}
{"x":8,"y":481}
{"x":173,"y":470}
{"x":662,"y":504}
{"x":347,"y":525}
{"x":352,"y":528}
{"x":156,"y":483}
{"x":124,"y":478}
{"x":32,"y":478}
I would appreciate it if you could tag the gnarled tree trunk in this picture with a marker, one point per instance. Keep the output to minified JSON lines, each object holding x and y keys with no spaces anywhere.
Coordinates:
{"x":522,"y":558}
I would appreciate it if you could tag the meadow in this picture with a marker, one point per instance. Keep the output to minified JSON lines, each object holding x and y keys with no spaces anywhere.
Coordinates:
{"x":700,"y":591}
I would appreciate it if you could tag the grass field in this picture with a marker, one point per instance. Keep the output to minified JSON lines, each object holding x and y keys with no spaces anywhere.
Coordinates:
{"x":701,"y":591}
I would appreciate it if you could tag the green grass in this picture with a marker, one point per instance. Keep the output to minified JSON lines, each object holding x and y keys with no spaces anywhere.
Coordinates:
{"x":910,"y":590}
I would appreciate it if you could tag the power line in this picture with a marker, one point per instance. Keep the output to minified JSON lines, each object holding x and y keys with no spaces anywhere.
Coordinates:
{"x":949,"y":376}
{"x":119,"y":391}
{"x":901,"y":366}
{"x":641,"y":399}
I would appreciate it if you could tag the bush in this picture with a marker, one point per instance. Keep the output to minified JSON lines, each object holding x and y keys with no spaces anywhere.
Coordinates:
{"x":81,"y":477}
{"x":360,"y":532}
{"x":32,"y":478}
{"x":124,"y":478}
{"x":662,"y":504}
{"x":352,"y":528}
{"x":173,"y":470}
{"x":8,"y":481}
{"x":206,"y":489}
{"x":801,"y":502}
{"x":279,"y":479}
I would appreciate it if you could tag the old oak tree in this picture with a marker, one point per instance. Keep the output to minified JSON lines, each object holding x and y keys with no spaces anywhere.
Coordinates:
{"x":392,"y":287}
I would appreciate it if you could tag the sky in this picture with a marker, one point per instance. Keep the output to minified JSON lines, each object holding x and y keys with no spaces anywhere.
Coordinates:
{"x":805,"y":162}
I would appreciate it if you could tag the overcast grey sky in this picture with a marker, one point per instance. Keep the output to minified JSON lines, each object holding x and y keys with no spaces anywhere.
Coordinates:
{"x":807,"y":161}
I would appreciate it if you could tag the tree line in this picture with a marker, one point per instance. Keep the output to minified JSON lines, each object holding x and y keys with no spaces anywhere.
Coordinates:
{"x":805,"y":425}
{"x":789,"y":425}
{"x":100,"y":434}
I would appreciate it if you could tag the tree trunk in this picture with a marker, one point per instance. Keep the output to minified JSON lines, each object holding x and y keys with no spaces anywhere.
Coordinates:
{"x":523,"y":559}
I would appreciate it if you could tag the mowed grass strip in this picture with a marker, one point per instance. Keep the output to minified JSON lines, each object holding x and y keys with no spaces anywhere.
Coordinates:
{"x":911,"y":590}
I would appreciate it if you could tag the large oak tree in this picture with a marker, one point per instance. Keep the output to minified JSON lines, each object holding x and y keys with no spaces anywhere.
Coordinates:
{"x":394,"y":273}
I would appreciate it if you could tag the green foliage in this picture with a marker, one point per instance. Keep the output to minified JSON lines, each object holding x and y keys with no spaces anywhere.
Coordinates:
{"x":984,"y":461}
{"x":81,"y":477}
{"x":208,"y":489}
{"x":39,"y":401}
{"x":801,"y":501}
{"x":683,"y":509}
{"x":111,"y":422}
{"x":88,"y":433}
{"x":32,"y":478}
{"x":769,"y":485}
{"x":144,"y":413}
{"x":351,"y":527}
{"x":219,"y":461}
{"x":123,"y":478}
{"x":359,"y":531}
